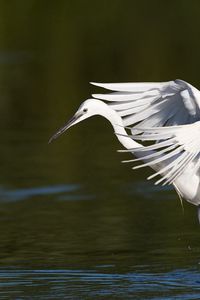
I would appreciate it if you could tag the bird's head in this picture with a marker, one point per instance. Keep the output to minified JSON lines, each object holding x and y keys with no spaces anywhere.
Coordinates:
{"x":87,"y":109}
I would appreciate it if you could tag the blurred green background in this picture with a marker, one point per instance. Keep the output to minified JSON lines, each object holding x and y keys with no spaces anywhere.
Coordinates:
{"x":51,"y":50}
{"x":72,"y":203}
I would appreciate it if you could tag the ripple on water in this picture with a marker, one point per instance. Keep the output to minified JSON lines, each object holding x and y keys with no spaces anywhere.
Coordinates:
{"x":78,"y":284}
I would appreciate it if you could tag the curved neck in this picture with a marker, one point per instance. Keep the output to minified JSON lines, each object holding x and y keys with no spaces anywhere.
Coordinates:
{"x":118,"y":126}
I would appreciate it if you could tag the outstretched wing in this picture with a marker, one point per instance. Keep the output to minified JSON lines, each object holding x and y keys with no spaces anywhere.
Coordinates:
{"x":152,"y":111}
{"x":176,"y":146}
{"x":153,"y":104}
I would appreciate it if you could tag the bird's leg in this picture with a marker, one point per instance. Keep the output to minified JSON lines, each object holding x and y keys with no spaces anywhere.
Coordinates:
{"x":198,"y":211}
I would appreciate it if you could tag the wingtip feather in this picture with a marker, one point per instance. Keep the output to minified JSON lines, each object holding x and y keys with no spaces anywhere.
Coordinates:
{"x":100,"y":84}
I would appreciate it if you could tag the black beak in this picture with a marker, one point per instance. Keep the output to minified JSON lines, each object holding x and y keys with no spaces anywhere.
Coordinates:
{"x":65,"y":127}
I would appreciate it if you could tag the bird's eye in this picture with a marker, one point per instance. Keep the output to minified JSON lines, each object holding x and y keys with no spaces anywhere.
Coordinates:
{"x":85,"y":110}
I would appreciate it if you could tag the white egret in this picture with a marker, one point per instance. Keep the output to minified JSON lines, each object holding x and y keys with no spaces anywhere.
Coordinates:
{"x":165,"y":113}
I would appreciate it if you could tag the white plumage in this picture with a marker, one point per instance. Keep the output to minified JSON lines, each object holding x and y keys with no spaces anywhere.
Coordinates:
{"x":165,"y":114}
{"x":154,"y":104}
{"x":152,"y":111}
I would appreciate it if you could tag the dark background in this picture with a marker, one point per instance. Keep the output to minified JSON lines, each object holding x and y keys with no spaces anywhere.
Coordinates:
{"x":72,"y":205}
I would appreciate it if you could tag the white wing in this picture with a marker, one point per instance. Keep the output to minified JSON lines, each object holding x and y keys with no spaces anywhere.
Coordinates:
{"x":150,"y":109}
{"x":176,"y":146}
{"x":153,"y":104}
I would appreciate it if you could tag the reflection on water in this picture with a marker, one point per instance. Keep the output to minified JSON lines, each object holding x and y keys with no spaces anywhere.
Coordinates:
{"x":75,"y":223}
{"x":76,"y":192}
{"x":22,"y":194}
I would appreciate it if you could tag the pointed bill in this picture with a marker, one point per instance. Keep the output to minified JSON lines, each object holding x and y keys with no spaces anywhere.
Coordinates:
{"x":65,"y":127}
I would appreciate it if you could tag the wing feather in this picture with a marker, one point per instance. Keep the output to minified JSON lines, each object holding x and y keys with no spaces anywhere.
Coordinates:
{"x":178,"y":104}
{"x":125,"y":96}
{"x":173,"y":160}
{"x":132,"y":87}
{"x":154,"y":154}
{"x":165,"y":113}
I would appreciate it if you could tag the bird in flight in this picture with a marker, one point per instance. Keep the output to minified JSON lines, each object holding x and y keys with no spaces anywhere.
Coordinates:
{"x":165,"y":118}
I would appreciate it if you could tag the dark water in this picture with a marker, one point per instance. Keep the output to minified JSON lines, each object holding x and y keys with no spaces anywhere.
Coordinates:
{"x":75,"y":223}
